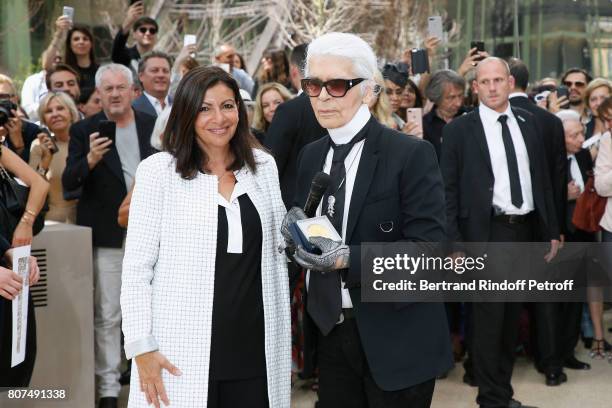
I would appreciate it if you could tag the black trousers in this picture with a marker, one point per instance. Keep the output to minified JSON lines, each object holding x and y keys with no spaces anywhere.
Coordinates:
{"x":345,"y":380}
{"x":494,"y":331}
{"x":250,"y":392}
{"x":558,"y":324}
{"x":20,"y":375}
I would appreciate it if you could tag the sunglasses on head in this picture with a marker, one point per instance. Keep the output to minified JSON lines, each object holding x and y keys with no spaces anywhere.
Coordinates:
{"x":334,"y":87}
{"x":577,"y":84}
{"x":143,"y":30}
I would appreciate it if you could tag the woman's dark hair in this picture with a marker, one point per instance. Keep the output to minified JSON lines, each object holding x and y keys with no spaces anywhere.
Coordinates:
{"x":418,"y":102}
{"x":280,"y":68}
{"x":180,"y":138}
{"x":70,"y":58}
{"x":242,"y":64}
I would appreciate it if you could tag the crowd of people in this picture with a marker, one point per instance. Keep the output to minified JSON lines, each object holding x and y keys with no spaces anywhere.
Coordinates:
{"x":209,"y":165}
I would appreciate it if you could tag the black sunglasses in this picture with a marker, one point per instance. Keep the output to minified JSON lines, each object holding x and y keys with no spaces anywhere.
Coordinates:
{"x":578,"y":84}
{"x":334,"y":87}
{"x":152,"y":30}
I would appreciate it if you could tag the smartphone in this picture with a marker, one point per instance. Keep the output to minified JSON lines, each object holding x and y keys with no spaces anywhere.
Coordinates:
{"x":479,"y":45}
{"x":419,"y":61}
{"x":54,"y":149}
{"x":415,"y":115}
{"x":189,"y":39}
{"x":225,"y":67}
{"x":107,"y":128}
{"x":434,"y":27}
{"x":563,"y":91}
{"x":69,"y":12}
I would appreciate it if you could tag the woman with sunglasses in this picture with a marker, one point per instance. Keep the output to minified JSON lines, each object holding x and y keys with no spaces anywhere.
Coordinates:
{"x":384,"y":187}
{"x":205,"y":291}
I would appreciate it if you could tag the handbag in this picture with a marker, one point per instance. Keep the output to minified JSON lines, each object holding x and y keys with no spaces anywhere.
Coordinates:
{"x":590,"y":207}
{"x":13,"y":199}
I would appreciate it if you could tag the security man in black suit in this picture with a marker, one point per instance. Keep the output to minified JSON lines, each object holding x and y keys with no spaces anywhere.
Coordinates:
{"x":385,"y":187}
{"x":293,"y":127}
{"x":497,"y":190}
{"x":105,"y":169}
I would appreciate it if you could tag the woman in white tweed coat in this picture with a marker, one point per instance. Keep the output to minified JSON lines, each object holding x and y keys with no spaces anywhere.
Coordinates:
{"x":211,"y":166}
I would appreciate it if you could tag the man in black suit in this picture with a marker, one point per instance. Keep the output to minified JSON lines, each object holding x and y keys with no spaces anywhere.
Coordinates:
{"x":293,"y":127}
{"x":558,"y":323}
{"x":154,"y":75}
{"x":497,"y":190}
{"x":385,"y":187}
{"x":551,"y":133}
{"x":104,"y":169}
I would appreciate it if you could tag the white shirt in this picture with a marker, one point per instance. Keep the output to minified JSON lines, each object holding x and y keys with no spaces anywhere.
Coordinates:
{"x":156,"y":103}
{"x":34,"y":88}
{"x":575,"y":172}
{"x":343,"y":135}
{"x":497,"y":152}
{"x":234,"y":220}
{"x":514,"y":94}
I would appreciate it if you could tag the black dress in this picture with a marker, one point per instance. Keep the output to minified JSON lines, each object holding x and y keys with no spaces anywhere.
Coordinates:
{"x":237,"y":369}
{"x":20,"y":375}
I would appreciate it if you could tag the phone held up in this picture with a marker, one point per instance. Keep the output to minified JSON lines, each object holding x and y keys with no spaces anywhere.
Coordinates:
{"x":54,"y":149}
{"x":419,"y":61}
{"x":107,"y":128}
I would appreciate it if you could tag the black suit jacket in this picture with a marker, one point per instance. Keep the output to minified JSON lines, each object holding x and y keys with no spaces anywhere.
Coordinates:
{"x":398,"y":181}
{"x":143,"y":104}
{"x":103,"y":187}
{"x":553,"y":138}
{"x":293,"y":127}
{"x":468,"y":178}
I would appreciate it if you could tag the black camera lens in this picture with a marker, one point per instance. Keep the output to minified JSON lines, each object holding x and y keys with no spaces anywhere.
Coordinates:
{"x":6,"y":107}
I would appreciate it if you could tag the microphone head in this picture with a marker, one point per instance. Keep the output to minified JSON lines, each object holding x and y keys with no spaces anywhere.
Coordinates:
{"x":320,"y":182}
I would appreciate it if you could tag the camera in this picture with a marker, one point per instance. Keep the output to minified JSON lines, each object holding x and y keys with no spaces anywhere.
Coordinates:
{"x":6,"y":106}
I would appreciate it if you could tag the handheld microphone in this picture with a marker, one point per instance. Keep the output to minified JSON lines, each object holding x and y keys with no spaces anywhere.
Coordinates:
{"x":319,"y":185}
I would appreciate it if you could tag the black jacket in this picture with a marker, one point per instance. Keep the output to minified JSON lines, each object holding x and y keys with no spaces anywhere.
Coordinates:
{"x":398,"y":181}
{"x":468,"y":178}
{"x":121,"y":54}
{"x":553,"y":138}
{"x":293,"y":127}
{"x":103,"y":187}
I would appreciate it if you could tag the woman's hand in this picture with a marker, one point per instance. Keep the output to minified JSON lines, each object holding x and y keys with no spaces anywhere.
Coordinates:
{"x":23,"y":234}
{"x":46,"y":146}
{"x":412,"y":128}
{"x":10,"y":283}
{"x":149,"y":370}
{"x":34,"y":271}
{"x":63,"y":24}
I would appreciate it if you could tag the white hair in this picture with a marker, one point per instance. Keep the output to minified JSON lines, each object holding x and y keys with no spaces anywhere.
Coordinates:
{"x":115,"y":68}
{"x":349,"y":46}
{"x":568,"y":115}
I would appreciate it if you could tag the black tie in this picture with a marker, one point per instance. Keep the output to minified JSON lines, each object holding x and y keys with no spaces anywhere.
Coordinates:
{"x":516,"y":194}
{"x":324,"y":296}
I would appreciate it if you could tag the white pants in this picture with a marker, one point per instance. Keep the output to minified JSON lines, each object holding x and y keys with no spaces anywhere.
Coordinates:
{"x":107,"y":319}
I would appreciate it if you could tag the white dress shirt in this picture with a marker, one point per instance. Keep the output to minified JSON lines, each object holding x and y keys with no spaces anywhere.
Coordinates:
{"x":343,"y":135}
{"x":575,"y":172}
{"x":156,"y":103}
{"x":234,"y":220}
{"x":497,"y":152}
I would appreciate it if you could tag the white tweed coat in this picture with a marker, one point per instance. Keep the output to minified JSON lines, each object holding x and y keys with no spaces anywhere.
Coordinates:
{"x":169,"y":270}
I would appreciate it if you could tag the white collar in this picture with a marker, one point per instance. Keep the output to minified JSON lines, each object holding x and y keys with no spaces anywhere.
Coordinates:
{"x":491,"y":116}
{"x":154,"y":100}
{"x":344,"y":134}
{"x":515,"y":94}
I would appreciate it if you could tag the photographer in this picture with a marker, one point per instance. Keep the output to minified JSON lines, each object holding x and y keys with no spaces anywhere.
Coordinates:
{"x":16,"y":133}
